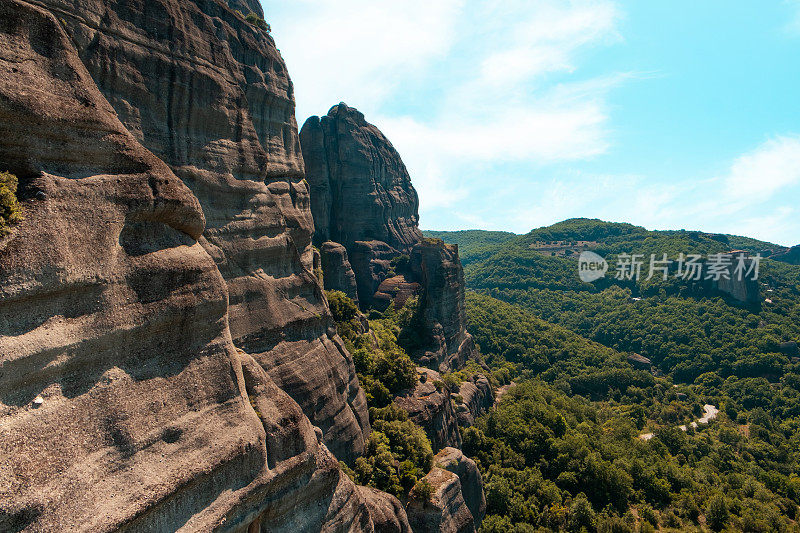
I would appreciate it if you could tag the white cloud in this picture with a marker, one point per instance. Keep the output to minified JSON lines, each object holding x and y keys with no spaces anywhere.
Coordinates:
{"x":547,"y":40}
{"x":759,"y":174}
{"x":793,"y":26}
{"x":359,"y":51}
{"x":455,"y":83}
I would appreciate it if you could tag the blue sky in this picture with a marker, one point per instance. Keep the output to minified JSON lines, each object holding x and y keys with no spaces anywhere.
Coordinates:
{"x":514,"y":114}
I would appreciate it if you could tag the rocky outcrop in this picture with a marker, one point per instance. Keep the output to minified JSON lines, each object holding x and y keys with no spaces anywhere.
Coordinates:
{"x":360,"y":188}
{"x":445,"y":511}
{"x":395,"y":290}
{"x":209,"y":94}
{"x":640,"y":362}
{"x":740,"y":285}
{"x":388,"y":514}
{"x":453,"y":460}
{"x":476,"y":399}
{"x":429,"y":406}
{"x":124,"y":404}
{"x":337,"y":272}
{"x":362,"y":197}
{"x":361,"y":194}
{"x":439,"y":270}
{"x":791,"y":255}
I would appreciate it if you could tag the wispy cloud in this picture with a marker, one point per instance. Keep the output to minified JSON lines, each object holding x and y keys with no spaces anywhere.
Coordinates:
{"x":753,"y":197}
{"x":481,"y":81}
{"x":761,"y":173}
{"x":793,"y":26}
{"x":361,"y":51}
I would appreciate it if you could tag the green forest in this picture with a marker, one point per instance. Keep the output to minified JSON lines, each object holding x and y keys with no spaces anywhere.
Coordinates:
{"x":605,"y":375}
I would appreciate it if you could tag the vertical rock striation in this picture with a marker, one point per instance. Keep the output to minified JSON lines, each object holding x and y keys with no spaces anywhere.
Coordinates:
{"x":477,"y":398}
{"x":362,"y":198}
{"x":453,"y":460}
{"x":430,"y":408}
{"x":209,"y":94}
{"x":361,"y":194}
{"x":337,"y":271}
{"x":439,"y":270}
{"x":360,"y":188}
{"x":124,"y":403}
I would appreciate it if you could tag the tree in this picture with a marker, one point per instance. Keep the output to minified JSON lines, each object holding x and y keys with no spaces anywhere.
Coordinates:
{"x":717,"y":513}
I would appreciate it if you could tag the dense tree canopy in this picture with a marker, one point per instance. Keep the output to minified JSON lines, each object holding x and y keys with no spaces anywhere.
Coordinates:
{"x":565,"y":448}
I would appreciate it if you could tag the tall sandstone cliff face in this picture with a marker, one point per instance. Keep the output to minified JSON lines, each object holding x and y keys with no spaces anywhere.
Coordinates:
{"x":209,"y":95}
{"x":163,"y":342}
{"x":360,"y":188}
{"x":362,"y":199}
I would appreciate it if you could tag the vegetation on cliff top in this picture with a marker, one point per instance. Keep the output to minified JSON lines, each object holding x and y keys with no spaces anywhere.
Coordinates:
{"x":255,"y":20}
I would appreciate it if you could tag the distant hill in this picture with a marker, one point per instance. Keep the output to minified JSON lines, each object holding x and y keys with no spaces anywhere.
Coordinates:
{"x":600,"y":365}
{"x":658,"y":319}
{"x":473,"y":244}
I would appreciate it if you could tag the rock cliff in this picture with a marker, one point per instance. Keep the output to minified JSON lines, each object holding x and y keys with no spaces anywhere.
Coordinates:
{"x":429,"y":406}
{"x":362,"y":198}
{"x":477,"y":398}
{"x":439,"y":270}
{"x":165,"y":348}
{"x":453,"y":460}
{"x":360,"y":188}
{"x":209,"y":94}
{"x":739,"y":285}
{"x":445,"y":511}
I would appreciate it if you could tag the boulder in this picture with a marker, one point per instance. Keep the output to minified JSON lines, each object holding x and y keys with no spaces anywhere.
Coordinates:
{"x":388,"y":514}
{"x":453,"y":460}
{"x":432,"y":410}
{"x":445,"y":511}
{"x":337,"y":272}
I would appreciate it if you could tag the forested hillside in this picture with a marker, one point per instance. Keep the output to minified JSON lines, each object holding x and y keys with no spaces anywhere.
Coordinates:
{"x":603,"y":367}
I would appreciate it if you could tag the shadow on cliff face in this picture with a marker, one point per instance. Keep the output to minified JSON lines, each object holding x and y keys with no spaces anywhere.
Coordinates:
{"x":122,"y":398}
{"x":210,"y":95}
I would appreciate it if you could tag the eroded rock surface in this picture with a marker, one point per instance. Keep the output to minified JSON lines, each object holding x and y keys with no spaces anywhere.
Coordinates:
{"x":477,"y":397}
{"x":337,"y":271}
{"x":453,"y":460}
{"x":209,"y":94}
{"x":445,"y":511}
{"x":124,"y":404}
{"x":362,"y":198}
{"x":429,"y":406}
{"x":360,"y":188}
{"x":439,"y":270}
{"x":388,"y":514}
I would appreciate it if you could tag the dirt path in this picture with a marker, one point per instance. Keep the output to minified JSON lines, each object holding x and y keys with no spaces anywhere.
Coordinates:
{"x":709,"y":413}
